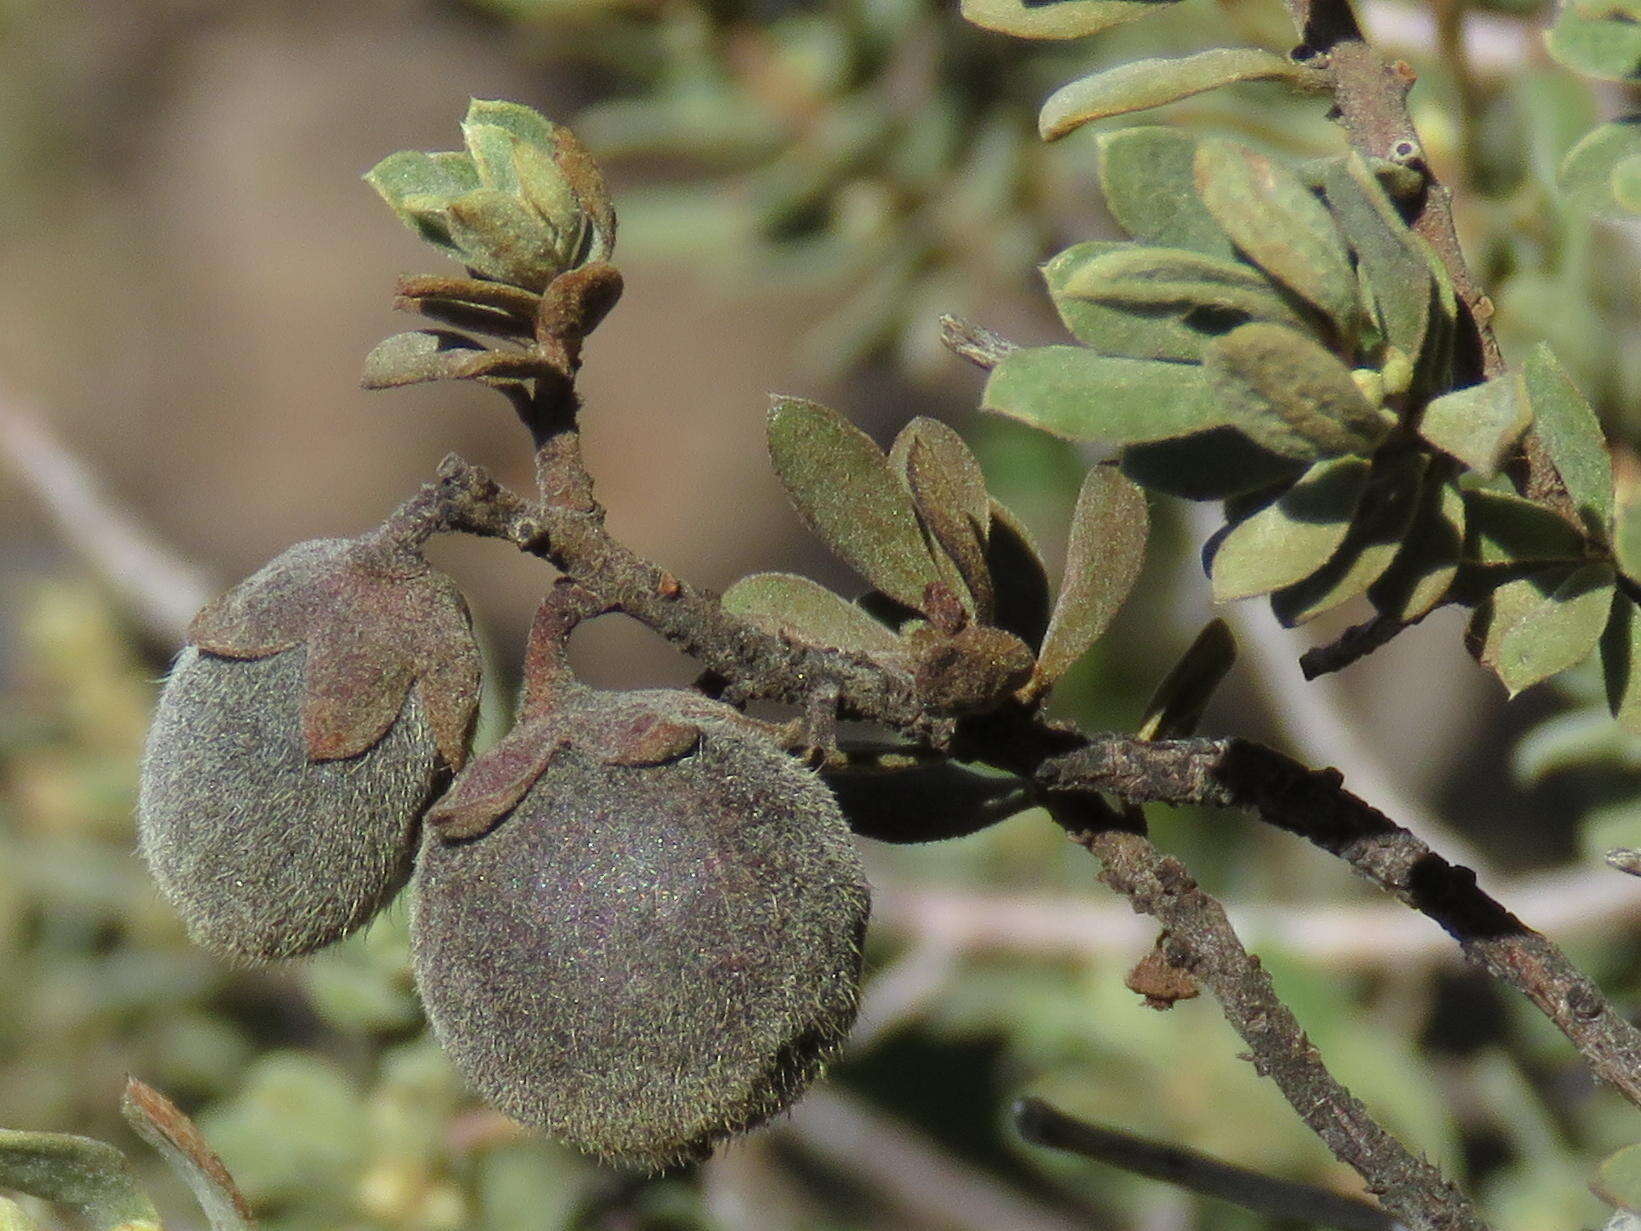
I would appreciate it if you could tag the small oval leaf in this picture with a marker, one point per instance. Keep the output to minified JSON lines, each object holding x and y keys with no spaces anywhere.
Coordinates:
{"x":1595,"y":45}
{"x":1103,"y":557}
{"x":926,"y":803}
{"x":1556,"y":632}
{"x":1177,"y":704}
{"x":1057,"y":18}
{"x":808,"y":611}
{"x":1376,"y":534}
{"x":1019,"y":578}
{"x":1167,"y":331}
{"x":1280,"y":224}
{"x":1423,"y":570}
{"x":89,"y":1176}
{"x":1503,"y":528}
{"x":949,"y":491}
{"x":1290,"y":395}
{"x":846,"y":493}
{"x":1621,"y":667}
{"x":1293,"y":536}
{"x":1148,"y":277}
{"x":1480,"y":425}
{"x":1393,"y":265}
{"x":1211,"y":465}
{"x":1572,"y":435}
{"x":1075,"y":393}
{"x":1152,"y":83}
{"x":1588,"y":175}
{"x":1148,"y":175}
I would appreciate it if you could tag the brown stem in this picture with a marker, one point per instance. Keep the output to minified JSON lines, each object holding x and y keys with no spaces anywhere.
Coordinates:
{"x":1370,"y":99}
{"x":1198,"y":937}
{"x":1233,"y":773}
{"x":1218,"y":773}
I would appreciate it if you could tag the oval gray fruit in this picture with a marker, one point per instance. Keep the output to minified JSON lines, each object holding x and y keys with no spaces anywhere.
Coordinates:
{"x":264,"y":852}
{"x":642,"y":960}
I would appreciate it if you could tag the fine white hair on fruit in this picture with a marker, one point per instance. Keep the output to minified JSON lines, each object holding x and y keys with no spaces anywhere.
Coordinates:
{"x":264,"y":852}
{"x":643,"y":960}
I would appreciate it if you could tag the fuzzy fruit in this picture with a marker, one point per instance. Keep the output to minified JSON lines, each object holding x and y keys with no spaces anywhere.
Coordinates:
{"x":650,"y":939}
{"x":298,"y":741}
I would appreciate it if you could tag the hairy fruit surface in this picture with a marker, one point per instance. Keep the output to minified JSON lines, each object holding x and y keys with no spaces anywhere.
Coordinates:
{"x":654,"y":941}
{"x":298,"y":742}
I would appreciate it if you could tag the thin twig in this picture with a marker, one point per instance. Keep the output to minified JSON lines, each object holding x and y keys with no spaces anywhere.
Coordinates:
{"x":1370,"y":97}
{"x":1199,"y":939}
{"x":159,"y":587}
{"x":1313,"y":804}
{"x":1219,"y":773}
{"x":1043,"y":1125}
{"x":911,"y":1172}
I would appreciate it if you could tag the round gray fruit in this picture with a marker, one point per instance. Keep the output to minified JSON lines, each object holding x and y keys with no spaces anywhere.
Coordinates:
{"x":642,"y":960}
{"x":264,"y":852}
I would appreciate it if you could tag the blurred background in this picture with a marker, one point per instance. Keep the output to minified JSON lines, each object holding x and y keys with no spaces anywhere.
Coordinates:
{"x":192,"y":273}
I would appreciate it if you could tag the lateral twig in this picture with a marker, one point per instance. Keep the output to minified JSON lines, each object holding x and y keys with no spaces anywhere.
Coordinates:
{"x":1043,"y":1125}
{"x":1234,"y":773}
{"x":1198,"y":938}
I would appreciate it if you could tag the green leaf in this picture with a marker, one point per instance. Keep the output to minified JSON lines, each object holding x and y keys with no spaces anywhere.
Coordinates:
{"x":1148,"y":175}
{"x":1056,"y":18}
{"x":1480,"y":425}
{"x":1376,"y":535}
{"x":1596,"y":46}
{"x":1292,"y":537}
{"x":1167,"y":331}
{"x":1561,"y":629}
{"x":926,"y":803}
{"x":1152,"y":83}
{"x":1281,"y":225}
{"x":1433,"y":368}
{"x":1504,"y":528}
{"x":418,"y":356}
{"x":503,"y":239}
{"x":846,"y":493}
{"x":1211,"y":465}
{"x":1572,"y":435}
{"x":807,"y":611}
{"x":90,"y":1177}
{"x":1386,"y":255}
{"x":1176,"y":706}
{"x":1290,"y":395}
{"x":1556,"y":109}
{"x":1627,"y":534}
{"x":1018,"y":577}
{"x":433,"y":179}
{"x":1589,"y":174}
{"x":1618,"y":1179}
{"x":12,"y":1217}
{"x":949,"y":492}
{"x":1423,"y":571}
{"x":1586,"y":737}
{"x":1621,"y":662}
{"x":1177,"y":278}
{"x":1075,"y":393}
{"x":1103,"y":557}
{"x":159,"y":1122}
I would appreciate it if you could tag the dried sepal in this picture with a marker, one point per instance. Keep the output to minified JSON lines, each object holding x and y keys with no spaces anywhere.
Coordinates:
{"x":376,"y":622}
